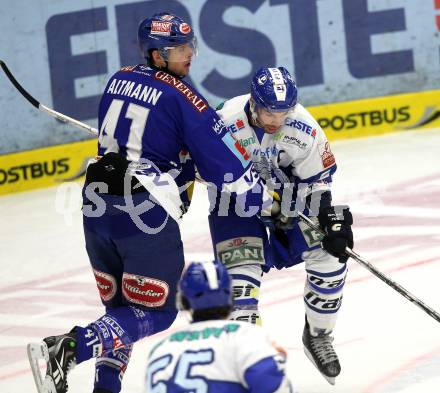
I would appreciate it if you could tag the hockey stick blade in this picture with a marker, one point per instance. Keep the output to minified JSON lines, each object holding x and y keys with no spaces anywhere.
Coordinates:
{"x":397,"y":287}
{"x":17,"y":85}
{"x":38,"y":105}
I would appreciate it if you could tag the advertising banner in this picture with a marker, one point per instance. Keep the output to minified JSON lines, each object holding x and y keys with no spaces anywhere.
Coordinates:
{"x":361,"y":118}
{"x":64,"y":51}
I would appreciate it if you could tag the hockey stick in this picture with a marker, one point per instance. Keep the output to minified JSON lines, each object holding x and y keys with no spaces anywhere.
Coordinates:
{"x":431,"y":312}
{"x":44,"y":108}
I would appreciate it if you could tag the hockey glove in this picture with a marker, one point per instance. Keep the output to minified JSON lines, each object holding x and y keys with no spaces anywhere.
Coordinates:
{"x":336,"y":222}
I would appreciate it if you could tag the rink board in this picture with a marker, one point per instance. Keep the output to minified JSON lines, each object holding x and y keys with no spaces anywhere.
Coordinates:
{"x":53,"y":165}
{"x":381,"y":115}
{"x":45,"y":167}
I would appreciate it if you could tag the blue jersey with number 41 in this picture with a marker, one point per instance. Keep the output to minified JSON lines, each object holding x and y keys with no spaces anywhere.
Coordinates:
{"x":147,"y":113}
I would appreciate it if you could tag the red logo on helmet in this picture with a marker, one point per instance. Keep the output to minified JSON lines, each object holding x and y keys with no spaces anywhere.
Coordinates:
{"x":185,"y":28}
{"x":106,"y":284}
{"x":160,"y":28}
{"x":146,"y":291}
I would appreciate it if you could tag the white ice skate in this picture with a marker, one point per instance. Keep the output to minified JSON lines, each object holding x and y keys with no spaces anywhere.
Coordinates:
{"x":36,"y":353}
{"x":58,"y":352}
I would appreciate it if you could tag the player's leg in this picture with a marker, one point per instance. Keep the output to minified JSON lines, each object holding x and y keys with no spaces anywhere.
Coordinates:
{"x":110,"y":368}
{"x":118,"y":329}
{"x":322,"y":299}
{"x":139,"y":303}
{"x":240,"y":243}
{"x":152,"y":266}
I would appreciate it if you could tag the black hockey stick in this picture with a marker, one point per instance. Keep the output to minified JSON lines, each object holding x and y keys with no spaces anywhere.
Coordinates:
{"x":397,"y":287}
{"x":41,"y":107}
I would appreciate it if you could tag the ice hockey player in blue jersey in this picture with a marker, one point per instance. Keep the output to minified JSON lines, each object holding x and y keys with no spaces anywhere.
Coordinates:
{"x":213,"y":354}
{"x":134,"y":196}
{"x":291,"y":153}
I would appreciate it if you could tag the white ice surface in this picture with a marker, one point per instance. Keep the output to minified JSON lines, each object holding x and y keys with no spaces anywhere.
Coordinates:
{"x":385,"y":343}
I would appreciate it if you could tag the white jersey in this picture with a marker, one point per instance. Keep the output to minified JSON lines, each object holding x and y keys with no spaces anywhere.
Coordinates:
{"x":216,"y":356}
{"x":299,"y":151}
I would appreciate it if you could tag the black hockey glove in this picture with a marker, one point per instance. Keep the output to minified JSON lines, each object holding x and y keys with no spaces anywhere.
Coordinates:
{"x":336,"y":222}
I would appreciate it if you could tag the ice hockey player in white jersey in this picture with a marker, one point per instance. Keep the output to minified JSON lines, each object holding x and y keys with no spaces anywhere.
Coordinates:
{"x":213,"y":354}
{"x":292,"y":154}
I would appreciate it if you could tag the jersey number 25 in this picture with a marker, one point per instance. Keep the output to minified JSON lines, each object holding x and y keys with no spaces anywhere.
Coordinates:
{"x":181,"y":376}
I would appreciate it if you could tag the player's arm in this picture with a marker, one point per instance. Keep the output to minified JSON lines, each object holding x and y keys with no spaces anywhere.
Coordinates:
{"x":268,"y":376}
{"x":313,"y":175}
{"x":224,"y":163}
{"x":260,"y":364}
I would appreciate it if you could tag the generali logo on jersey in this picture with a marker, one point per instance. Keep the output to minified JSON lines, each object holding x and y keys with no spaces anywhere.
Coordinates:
{"x":197,"y":102}
{"x":146,"y":291}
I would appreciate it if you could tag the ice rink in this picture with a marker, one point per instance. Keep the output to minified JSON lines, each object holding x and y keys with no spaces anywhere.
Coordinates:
{"x":385,"y":343}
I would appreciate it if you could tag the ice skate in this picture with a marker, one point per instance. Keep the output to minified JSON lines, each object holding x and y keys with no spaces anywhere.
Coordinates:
{"x":321,"y":353}
{"x":59,"y":354}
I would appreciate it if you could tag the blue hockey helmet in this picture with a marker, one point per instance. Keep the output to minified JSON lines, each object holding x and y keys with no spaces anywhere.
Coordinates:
{"x":205,"y":285}
{"x":164,"y":31}
{"x":274,"y":89}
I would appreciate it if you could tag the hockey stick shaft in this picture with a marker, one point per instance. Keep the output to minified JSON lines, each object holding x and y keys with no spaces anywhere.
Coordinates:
{"x":397,"y":287}
{"x":44,"y":108}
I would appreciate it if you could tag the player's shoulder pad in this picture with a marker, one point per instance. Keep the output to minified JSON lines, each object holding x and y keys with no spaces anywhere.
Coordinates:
{"x":300,"y":119}
{"x":129,"y":68}
{"x":233,"y":108}
{"x":133,"y":72}
{"x":141,"y":69}
{"x":183,"y":90}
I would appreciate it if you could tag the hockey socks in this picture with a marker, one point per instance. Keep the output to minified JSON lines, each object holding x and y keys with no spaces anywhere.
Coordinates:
{"x":110,"y":369}
{"x":246,"y":282}
{"x":119,"y":328}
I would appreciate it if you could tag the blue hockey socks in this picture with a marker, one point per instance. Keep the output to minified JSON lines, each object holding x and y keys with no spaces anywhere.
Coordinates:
{"x":120,"y":327}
